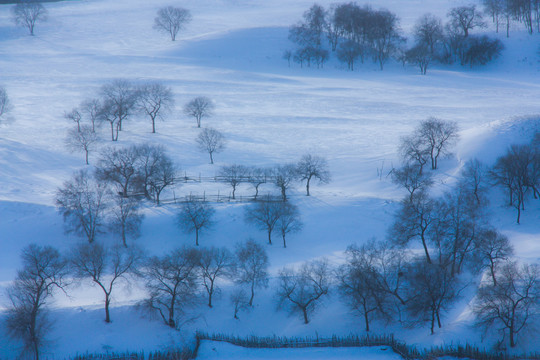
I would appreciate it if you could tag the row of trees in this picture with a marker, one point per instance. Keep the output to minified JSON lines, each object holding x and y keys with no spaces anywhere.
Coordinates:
{"x":356,"y":32}
{"x":504,"y":12}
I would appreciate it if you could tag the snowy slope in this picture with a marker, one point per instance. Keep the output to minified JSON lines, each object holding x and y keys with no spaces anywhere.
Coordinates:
{"x":270,"y":114}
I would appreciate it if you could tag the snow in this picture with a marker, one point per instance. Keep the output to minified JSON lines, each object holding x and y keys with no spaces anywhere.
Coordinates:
{"x":271,"y":114}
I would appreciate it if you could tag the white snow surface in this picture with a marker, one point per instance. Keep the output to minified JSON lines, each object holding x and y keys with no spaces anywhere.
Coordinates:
{"x":270,"y":114}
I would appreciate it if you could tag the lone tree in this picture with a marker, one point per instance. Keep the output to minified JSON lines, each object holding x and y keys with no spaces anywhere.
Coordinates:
{"x":462,"y":19}
{"x":171,"y":281}
{"x":234,"y":175}
{"x":313,"y":167}
{"x":155,"y":100}
{"x":289,"y":220}
{"x":27,"y":13}
{"x":510,"y":305}
{"x":304,"y":289}
{"x":43,"y":271}
{"x":252,"y":266}
{"x":200,"y":107}
{"x":215,"y":263}
{"x":284,"y":175}
{"x":81,"y":201}
{"x":265,"y":215}
{"x":493,"y":248}
{"x":195,"y":216}
{"x":82,"y":139}
{"x":171,"y":20}
{"x":105,"y":266}
{"x":211,"y":141}
{"x":125,"y":218}
{"x":75,"y":116}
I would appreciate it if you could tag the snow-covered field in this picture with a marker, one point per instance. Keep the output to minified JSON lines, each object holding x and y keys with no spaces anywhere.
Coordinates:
{"x":270,"y":114}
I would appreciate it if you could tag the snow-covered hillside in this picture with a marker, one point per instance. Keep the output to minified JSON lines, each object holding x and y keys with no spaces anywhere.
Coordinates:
{"x":270,"y":114}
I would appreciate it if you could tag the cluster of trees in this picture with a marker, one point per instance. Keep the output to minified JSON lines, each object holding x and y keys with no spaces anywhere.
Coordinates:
{"x":356,"y":32}
{"x":504,"y":12}
{"x":455,"y":236}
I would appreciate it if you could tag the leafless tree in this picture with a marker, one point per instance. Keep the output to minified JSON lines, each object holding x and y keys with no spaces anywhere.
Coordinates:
{"x":313,"y":167}
{"x":289,"y":220}
{"x":5,"y":104}
{"x":234,"y":175}
{"x":252,"y":266}
{"x":411,"y":177}
{"x":239,"y":299}
{"x":171,"y":20}
{"x":464,"y":19}
{"x":413,"y":151}
{"x":428,"y":31}
{"x":195,"y":216}
{"x":155,"y":100}
{"x":432,"y":291}
{"x":125,"y":217}
{"x":215,"y":263}
{"x":474,"y":179}
{"x":420,"y":56}
{"x":81,"y":201}
{"x":496,"y":9}
{"x":265,"y":215}
{"x":155,"y":169}
{"x":493,"y":248}
{"x":211,"y":141}
{"x":384,"y":35}
{"x":171,"y":281}
{"x":43,"y":271}
{"x":92,"y":108}
{"x":119,"y":166}
{"x":75,"y":116}
{"x":284,"y":176}
{"x":119,"y":99}
{"x":258,"y":176}
{"x":199,"y":108}
{"x":105,"y":266}
{"x":438,"y":136}
{"x":414,"y":220}
{"x":27,"y":13}
{"x":348,"y":52}
{"x":84,"y":139}
{"x":511,"y":305}
{"x":302,"y":290}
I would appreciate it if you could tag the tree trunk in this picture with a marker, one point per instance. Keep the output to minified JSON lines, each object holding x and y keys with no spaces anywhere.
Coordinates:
{"x":304,"y":311}
{"x":307,"y":185}
{"x":197,"y":237}
{"x":283,"y":236}
{"x":210,"y":292}
{"x":270,"y":236}
{"x":86,"y":157}
{"x":252,"y":294}
{"x":107,"y":303}
{"x":211,"y":158}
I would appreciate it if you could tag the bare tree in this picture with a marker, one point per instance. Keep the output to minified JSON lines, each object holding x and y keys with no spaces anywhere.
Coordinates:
{"x":75,"y":116}
{"x":258,"y":176}
{"x":432,"y":291}
{"x":119,"y":99}
{"x":303,"y":290}
{"x":265,"y":215}
{"x":125,"y":219}
{"x":215,"y":263}
{"x":211,"y":141}
{"x":411,"y":177}
{"x":464,"y":19}
{"x":413,"y":151}
{"x":155,"y":100}
{"x":348,"y":52}
{"x":284,"y":175}
{"x":510,"y":305}
{"x":474,"y":179}
{"x":420,"y":56}
{"x":239,"y":299}
{"x":171,"y":281}
{"x":199,"y":108}
{"x":105,"y":266}
{"x":43,"y":271}
{"x":313,"y":167}
{"x":119,"y":166}
{"x":438,"y":136}
{"x":81,"y":201}
{"x":171,"y":20}
{"x":252,"y":266}
{"x":493,"y":248}
{"x":496,"y":9}
{"x":384,"y":35}
{"x":428,"y":31}
{"x":27,"y":13}
{"x":234,"y":175}
{"x":92,"y":108}
{"x":289,"y":220}
{"x":195,"y":216}
{"x":155,"y":169}
{"x":82,"y":139}
{"x":5,"y":104}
